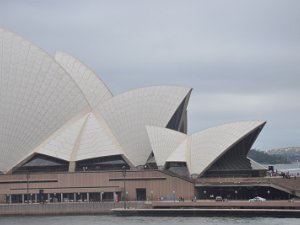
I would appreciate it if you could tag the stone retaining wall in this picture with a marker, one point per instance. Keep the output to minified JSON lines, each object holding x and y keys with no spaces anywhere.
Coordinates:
{"x":64,"y":208}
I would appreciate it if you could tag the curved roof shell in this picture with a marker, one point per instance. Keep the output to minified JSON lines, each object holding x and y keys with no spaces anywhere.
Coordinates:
{"x":163,"y":142}
{"x":207,"y":146}
{"x":201,"y":149}
{"x":37,"y":97}
{"x":61,"y":108}
{"x":129,"y":113}
{"x":85,"y":138}
{"x":91,"y":85}
{"x":61,"y":144}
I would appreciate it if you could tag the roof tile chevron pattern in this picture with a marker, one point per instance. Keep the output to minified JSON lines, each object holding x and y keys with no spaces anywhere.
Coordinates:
{"x":129,"y":113}
{"x":202,"y":149}
{"x":37,"y":96}
{"x":91,"y":85}
{"x":61,"y":108}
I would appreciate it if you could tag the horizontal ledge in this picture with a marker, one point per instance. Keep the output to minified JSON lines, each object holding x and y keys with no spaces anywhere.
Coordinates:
{"x":137,"y":178}
{"x":27,"y":181}
{"x":57,"y":188}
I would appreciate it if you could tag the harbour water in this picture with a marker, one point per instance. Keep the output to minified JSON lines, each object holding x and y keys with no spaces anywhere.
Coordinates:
{"x":114,"y":220}
{"x":293,"y":169}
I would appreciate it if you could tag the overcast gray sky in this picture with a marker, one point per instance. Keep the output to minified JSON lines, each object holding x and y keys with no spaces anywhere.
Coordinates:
{"x":242,"y":58}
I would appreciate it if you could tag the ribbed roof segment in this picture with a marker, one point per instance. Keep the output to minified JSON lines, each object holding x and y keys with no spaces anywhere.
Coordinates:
{"x":64,"y":110}
{"x":91,"y":85}
{"x":96,"y":140}
{"x":129,"y":113}
{"x":37,"y":97}
{"x":163,"y":142}
{"x":62,"y":143}
{"x":201,"y":149}
{"x":208,"y":145}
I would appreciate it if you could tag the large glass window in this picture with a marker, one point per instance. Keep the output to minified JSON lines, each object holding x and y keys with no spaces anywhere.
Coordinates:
{"x":42,"y":163}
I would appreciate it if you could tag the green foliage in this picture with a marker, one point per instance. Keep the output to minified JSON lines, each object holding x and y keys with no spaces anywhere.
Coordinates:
{"x":265,"y":158}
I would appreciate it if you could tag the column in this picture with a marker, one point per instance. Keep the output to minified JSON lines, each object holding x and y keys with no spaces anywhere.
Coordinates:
{"x":88,"y":197}
{"x":49,"y":197}
{"x":115,"y":196}
{"x":23,"y":198}
{"x":61,"y":197}
{"x":10,"y":199}
{"x":35,"y":197}
{"x":75,"y":197}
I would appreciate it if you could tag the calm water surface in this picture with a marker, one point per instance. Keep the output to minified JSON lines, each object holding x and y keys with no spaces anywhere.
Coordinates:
{"x":293,"y":169}
{"x":113,"y":220}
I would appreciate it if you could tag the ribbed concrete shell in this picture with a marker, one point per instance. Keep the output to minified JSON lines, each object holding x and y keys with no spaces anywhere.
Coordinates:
{"x":61,"y":144}
{"x":163,"y":142}
{"x":60,"y":108}
{"x":37,"y":97}
{"x":200,"y":150}
{"x":91,"y":85}
{"x":129,"y":113}
{"x":96,"y":138}
{"x":82,"y":139}
{"x":208,"y":146}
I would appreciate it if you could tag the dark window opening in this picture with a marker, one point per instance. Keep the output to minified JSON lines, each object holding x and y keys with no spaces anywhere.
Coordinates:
{"x":43,"y":163}
{"x":115,"y":162}
{"x":141,"y":194}
{"x":239,"y":192}
{"x":151,"y":162}
{"x":178,"y":168}
{"x":108,"y":197}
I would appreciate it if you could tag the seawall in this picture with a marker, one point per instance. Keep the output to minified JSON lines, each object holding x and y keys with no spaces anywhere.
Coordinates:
{"x":75,"y":208}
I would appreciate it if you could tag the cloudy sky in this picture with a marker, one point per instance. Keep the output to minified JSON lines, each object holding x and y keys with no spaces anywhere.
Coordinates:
{"x":242,"y":58}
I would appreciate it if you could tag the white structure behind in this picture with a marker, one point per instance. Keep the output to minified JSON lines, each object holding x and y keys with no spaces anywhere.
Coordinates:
{"x":91,"y":85}
{"x":163,"y":142}
{"x":61,"y":143}
{"x":96,"y":141}
{"x":61,"y":108}
{"x":129,"y":113}
{"x":209,"y":145}
{"x":37,"y":97}
{"x":200,"y":150}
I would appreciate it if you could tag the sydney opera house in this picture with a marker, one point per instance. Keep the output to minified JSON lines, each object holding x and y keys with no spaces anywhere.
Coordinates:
{"x":66,"y":137}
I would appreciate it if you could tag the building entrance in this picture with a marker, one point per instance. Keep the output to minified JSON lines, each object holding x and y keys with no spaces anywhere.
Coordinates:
{"x":141,"y":194}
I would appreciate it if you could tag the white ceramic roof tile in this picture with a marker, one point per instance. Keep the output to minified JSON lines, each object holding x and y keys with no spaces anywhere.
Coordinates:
{"x":44,"y":109}
{"x":91,"y":85}
{"x":37,"y":97}
{"x":202,"y":149}
{"x":62,"y":143}
{"x":96,"y":140}
{"x":83,"y":138}
{"x":163,"y":142}
{"x":180,"y":154}
{"x":128,"y":114}
{"x":208,"y":145}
